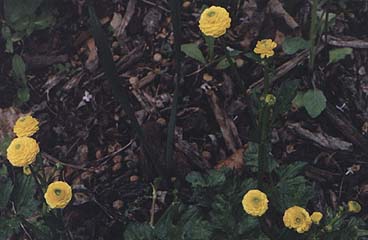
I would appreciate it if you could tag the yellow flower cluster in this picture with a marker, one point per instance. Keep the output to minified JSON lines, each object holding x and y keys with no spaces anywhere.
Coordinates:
{"x":214,"y":21}
{"x":58,"y":194}
{"x":297,"y":218}
{"x":26,"y":126}
{"x":255,"y":203}
{"x":23,"y":150}
{"x":265,"y":48}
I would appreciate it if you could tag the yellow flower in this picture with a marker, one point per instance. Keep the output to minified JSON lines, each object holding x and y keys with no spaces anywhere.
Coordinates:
{"x":255,"y":202}
{"x":214,"y":21}
{"x":316,"y":217}
{"x":265,"y":48}
{"x":270,"y":99}
{"x":58,"y":194}
{"x":26,"y":126}
{"x":27,"y":170}
{"x":354,"y":207}
{"x":297,"y":218}
{"x":22,"y":151}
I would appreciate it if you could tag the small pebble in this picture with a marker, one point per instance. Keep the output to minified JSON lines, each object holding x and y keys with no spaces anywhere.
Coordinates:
{"x":239,"y":62}
{"x":134,"y":178}
{"x":115,"y":57}
{"x":186,"y":4}
{"x":157,"y":57}
{"x":117,"y":159}
{"x":134,"y":81}
{"x":118,"y":204}
{"x":116,"y":167}
{"x":207,"y":77}
{"x":161,"y":121}
{"x":362,"y":71}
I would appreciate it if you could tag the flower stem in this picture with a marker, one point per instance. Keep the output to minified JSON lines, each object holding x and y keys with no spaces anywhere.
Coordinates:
{"x":313,"y":35}
{"x":211,"y":47}
{"x":175,"y":7}
{"x":264,"y":119}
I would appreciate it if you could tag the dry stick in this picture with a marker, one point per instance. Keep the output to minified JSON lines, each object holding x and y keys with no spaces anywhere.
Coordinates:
{"x":345,"y":42}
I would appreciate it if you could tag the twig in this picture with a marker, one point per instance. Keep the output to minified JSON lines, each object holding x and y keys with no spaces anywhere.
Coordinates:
{"x":152,"y":210}
{"x":227,"y":126}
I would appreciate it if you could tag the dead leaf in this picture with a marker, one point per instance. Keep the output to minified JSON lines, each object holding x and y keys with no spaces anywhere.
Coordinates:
{"x":92,"y":60}
{"x":235,"y":161}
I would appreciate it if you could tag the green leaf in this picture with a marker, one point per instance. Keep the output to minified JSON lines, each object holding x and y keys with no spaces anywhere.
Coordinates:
{"x":212,"y":179}
{"x":23,"y":94}
{"x":298,"y":99}
{"x":314,"y":102}
{"x":19,"y":67}
{"x":196,"y":179}
{"x":223,"y":64}
{"x":292,"y":45}
{"x":253,"y":56}
{"x":137,"y":231}
{"x":192,"y":50}
{"x":251,"y":158}
{"x":8,"y":226}
{"x":18,"y":9}
{"x":285,"y":95}
{"x":291,"y":192}
{"x":23,"y":195}
{"x":6,"y":33}
{"x":291,"y":170}
{"x":338,"y":54}
{"x":4,"y":144}
{"x":6,"y":188}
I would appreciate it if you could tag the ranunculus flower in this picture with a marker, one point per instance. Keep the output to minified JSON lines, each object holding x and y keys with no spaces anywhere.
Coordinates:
{"x":214,"y":21}
{"x":26,"y":126}
{"x":354,"y":207}
{"x":316,"y":217}
{"x":58,"y":194}
{"x":22,"y":151}
{"x":297,"y":218}
{"x":265,"y":48}
{"x":255,"y":203}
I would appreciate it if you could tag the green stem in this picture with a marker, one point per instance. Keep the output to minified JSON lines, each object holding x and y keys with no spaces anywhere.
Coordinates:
{"x":175,"y":7}
{"x":211,"y":47}
{"x":38,"y":184}
{"x":313,"y":35}
{"x":264,"y":128}
{"x":118,"y":92}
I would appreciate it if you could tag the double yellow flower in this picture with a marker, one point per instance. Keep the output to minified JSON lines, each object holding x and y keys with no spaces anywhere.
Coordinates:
{"x":23,"y":150}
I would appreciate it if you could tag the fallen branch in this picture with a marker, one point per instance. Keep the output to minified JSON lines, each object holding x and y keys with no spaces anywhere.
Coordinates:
{"x":345,"y":41}
{"x":227,"y":126}
{"x":320,"y":138}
